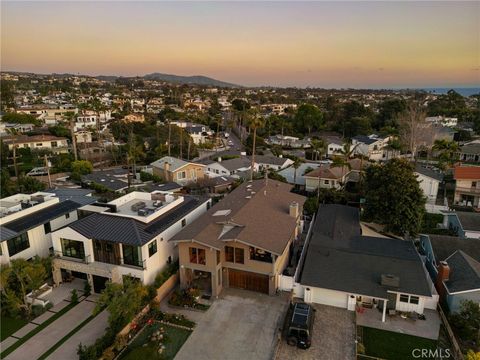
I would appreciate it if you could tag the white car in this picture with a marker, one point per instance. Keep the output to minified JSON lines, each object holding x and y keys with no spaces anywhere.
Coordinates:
{"x":38,"y":171}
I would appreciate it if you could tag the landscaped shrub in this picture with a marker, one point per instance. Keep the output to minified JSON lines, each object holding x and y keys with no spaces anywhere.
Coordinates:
{"x":87,"y":289}
{"x":74,"y":298}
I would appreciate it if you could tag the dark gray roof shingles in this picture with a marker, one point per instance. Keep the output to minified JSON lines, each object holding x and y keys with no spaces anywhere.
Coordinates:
{"x":464,"y":273}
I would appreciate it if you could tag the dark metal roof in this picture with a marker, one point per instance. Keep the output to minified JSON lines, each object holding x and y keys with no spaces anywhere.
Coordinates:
{"x":80,"y":196}
{"x":464,"y":273}
{"x":42,"y":216}
{"x":339,"y":258}
{"x":129,"y":231}
{"x":365,"y":139}
{"x":6,"y":234}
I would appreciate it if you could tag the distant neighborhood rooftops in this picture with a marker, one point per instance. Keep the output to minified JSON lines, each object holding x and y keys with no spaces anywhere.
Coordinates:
{"x":173,"y":162}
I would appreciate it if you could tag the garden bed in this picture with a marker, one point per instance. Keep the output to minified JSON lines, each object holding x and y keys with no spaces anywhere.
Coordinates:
{"x":187,"y":299}
{"x":156,"y":341}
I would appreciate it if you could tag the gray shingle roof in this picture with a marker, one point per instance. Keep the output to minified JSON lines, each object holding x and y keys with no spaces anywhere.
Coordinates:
{"x":235,"y":164}
{"x":443,"y":246}
{"x":464,"y":273}
{"x":42,"y":216}
{"x":339,"y":258}
{"x":365,"y":139}
{"x":129,"y":231}
{"x":268,"y":159}
{"x":437,"y":175}
{"x":469,"y":220}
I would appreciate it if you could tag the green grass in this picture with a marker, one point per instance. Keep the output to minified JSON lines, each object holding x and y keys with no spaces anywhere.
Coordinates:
{"x":175,"y":338}
{"x":65,"y":338}
{"x":393,"y":346}
{"x":36,"y":330}
{"x":10,"y":325}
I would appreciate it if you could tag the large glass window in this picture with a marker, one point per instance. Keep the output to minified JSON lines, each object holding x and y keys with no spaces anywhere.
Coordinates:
{"x":130,"y":255}
{"x":47,"y":228}
{"x":152,"y":248}
{"x":73,"y":248}
{"x":404,"y":298}
{"x":18,"y":244}
{"x":414,"y":299}
{"x":197,"y":256}
{"x":239,"y":256}
{"x":235,"y":255}
{"x":260,"y":255}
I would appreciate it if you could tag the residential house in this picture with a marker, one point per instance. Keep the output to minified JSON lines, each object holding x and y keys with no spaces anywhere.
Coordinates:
{"x":470,"y":152}
{"x":85,"y":122}
{"x":27,"y":222}
{"x":344,"y":269}
{"x":83,"y":137}
{"x":334,"y":146}
{"x":467,"y":186}
{"x":136,"y":117}
{"x":328,"y":177}
{"x":125,"y":237}
{"x":57,"y":145}
{"x":442,"y":120}
{"x":231,"y":246}
{"x":428,"y":179}
{"x":178,"y":170}
{"x":8,"y":128}
{"x":454,"y":265}
{"x":298,"y":179}
{"x":374,"y":147}
{"x":115,"y":180}
{"x":230,"y":167}
{"x":198,"y":132}
{"x":464,"y":224}
{"x":288,"y":141}
{"x":271,"y":162}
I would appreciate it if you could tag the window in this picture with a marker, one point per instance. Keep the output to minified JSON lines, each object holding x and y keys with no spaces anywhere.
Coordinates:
{"x":54,"y":144}
{"x":39,"y":144}
{"x":404,"y":298}
{"x":197,"y":256}
{"x":67,"y":216}
{"x":414,"y":299}
{"x":229,"y":253}
{"x":18,"y":244}
{"x":47,"y":227}
{"x":326,"y":182}
{"x":184,"y":222}
{"x":474,"y":184}
{"x":260,"y":255}
{"x":239,"y":256}
{"x":73,"y":248}
{"x":152,"y":248}
{"x":130,"y":255}
{"x":181,"y":175}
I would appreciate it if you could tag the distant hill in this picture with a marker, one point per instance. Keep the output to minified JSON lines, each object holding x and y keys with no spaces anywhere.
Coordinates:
{"x":196,"y":79}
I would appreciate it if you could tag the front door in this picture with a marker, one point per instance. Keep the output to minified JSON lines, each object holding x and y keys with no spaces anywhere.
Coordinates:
{"x":99,"y":283}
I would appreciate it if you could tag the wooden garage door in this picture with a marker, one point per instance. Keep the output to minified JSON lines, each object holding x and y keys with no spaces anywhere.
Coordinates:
{"x":248,"y":280}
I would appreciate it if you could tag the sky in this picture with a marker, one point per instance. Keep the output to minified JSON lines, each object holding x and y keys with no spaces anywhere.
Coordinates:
{"x":358,"y":44}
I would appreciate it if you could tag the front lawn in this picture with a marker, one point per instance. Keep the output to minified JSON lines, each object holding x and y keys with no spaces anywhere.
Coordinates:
{"x":10,"y":325}
{"x":393,"y":346}
{"x":143,"y":347}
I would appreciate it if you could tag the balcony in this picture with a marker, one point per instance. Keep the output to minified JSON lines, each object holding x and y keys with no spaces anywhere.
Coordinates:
{"x":81,"y":259}
{"x":467,"y":190}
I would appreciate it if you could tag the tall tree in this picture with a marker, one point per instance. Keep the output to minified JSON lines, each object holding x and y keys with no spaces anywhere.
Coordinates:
{"x":413,"y":128}
{"x":393,"y":197}
{"x":70,"y":117}
{"x":308,"y":117}
{"x":255,"y":121}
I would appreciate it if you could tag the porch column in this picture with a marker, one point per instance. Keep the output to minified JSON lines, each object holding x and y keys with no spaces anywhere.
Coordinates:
{"x":384,"y":310}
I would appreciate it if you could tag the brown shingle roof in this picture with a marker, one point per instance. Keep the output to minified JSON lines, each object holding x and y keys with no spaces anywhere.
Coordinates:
{"x":263,"y":220}
{"x":467,"y":173}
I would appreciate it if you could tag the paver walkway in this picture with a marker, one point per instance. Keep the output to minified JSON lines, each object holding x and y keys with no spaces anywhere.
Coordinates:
{"x":45,"y":339}
{"x":87,"y":335}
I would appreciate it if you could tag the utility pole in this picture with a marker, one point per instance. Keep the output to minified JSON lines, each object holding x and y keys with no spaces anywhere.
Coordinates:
{"x":188,"y":151}
{"x":181,"y":142}
{"x":15,"y":165}
{"x":169,"y":136}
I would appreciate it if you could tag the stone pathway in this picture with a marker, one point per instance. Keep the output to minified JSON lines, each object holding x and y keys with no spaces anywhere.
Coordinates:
{"x":87,"y":335}
{"x":48,"y":337}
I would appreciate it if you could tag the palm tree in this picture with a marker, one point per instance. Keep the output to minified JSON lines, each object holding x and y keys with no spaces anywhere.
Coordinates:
{"x":318,"y":147}
{"x":447,"y":150}
{"x":340,"y":161}
{"x":255,"y":121}
{"x":296,"y":164}
{"x":70,"y":117}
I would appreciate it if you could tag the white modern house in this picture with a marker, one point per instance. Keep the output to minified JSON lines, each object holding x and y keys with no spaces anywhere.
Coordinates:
{"x":125,"y":237}
{"x":429,"y":180}
{"x":27,"y":223}
{"x":374,"y":147}
{"x":230,"y":167}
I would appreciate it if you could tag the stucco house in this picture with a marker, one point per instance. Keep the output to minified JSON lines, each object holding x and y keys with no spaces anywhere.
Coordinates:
{"x":467,"y":186}
{"x":125,"y":237}
{"x":345,"y":269}
{"x":235,"y":245}
{"x":429,"y":180}
{"x":180,"y":171}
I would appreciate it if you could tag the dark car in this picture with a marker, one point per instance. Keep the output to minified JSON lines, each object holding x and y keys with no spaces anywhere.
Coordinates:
{"x":300,"y":324}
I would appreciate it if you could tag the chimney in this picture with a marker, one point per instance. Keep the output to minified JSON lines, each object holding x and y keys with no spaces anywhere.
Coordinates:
{"x":443,"y":272}
{"x":166,"y":166}
{"x":294,"y":209}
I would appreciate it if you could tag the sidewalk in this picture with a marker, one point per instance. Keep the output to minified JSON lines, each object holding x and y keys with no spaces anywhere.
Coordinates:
{"x":40,"y":343}
{"x":87,"y":335}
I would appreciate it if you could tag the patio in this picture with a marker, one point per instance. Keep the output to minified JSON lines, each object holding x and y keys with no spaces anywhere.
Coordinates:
{"x":64,"y":291}
{"x":428,"y":328}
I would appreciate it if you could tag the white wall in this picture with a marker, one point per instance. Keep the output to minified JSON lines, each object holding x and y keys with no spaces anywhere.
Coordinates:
{"x":327,"y":297}
{"x":429,"y":187}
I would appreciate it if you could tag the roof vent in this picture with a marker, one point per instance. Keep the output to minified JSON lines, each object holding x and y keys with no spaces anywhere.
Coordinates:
{"x":222,"y":212}
{"x":248,"y":197}
{"x":390,"y":280}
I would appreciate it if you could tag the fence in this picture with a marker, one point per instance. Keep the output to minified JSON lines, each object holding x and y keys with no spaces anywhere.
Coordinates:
{"x":457,"y":352}
{"x":304,"y":250}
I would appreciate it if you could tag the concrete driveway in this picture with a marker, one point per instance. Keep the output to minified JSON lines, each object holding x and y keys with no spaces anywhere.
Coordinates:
{"x":333,"y":337}
{"x":239,"y":325}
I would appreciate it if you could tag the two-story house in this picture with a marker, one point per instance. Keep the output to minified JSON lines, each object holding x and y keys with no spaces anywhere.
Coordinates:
{"x":55,"y":144}
{"x":180,"y":171}
{"x":374,"y":147}
{"x":125,"y":237}
{"x":27,"y":222}
{"x":467,"y":186}
{"x":244,"y":241}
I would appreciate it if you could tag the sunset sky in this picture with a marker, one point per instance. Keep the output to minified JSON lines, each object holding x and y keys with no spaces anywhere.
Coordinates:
{"x":324,"y":44}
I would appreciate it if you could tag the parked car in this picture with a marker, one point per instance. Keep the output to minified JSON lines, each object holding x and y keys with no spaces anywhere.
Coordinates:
{"x":38,"y":171}
{"x":300,"y":325}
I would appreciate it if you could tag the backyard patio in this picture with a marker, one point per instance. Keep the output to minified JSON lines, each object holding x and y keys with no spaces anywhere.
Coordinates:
{"x":428,"y":328}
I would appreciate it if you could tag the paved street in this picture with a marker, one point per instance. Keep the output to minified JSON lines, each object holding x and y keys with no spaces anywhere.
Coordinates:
{"x":333,"y":337}
{"x":87,"y":335}
{"x":49,"y":336}
{"x":239,"y":325}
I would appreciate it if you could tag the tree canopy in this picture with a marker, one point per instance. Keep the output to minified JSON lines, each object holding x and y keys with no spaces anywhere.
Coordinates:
{"x":393,"y":197}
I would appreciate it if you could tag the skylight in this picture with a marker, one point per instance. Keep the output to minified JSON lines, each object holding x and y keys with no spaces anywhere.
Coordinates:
{"x":222,"y":212}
